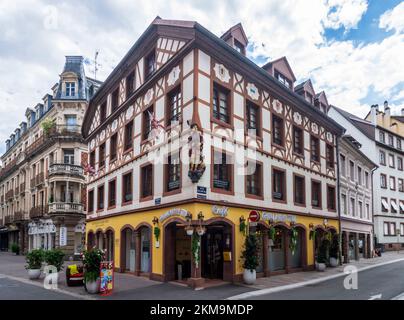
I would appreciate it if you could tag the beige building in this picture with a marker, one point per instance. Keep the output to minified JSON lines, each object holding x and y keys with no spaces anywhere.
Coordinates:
{"x":42,"y":180}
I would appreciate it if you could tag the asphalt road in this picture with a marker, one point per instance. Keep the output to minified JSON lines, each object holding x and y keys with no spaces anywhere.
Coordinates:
{"x":386,"y":280}
{"x":16,"y":290}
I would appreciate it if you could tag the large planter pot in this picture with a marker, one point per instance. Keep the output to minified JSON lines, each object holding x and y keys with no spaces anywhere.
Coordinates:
{"x":93,"y":287}
{"x":321,"y":266}
{"x":333,"y":262}
{"x":34,"y":274}
{"x":249,"y":276}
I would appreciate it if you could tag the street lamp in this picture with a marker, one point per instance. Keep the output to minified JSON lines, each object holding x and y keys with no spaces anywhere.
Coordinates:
{"x":200,"y":230}
{"x":189,"y":229}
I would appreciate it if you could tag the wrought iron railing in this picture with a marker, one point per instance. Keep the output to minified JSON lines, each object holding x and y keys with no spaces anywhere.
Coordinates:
{"x":38,"y":212}
{"x":66,"y":169}
{"x":65,"y":207}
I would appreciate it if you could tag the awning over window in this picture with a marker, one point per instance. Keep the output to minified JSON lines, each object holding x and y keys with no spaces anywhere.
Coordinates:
{"x":402,"y":206}
{"x":385,"y":204}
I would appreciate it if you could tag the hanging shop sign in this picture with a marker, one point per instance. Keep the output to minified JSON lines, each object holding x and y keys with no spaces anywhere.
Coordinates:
{"x":63,"y":236}
{"x":220,"y":211}
{"x":175,"y":212}
{"x":107,"y":277}
{"x":277,"y":217}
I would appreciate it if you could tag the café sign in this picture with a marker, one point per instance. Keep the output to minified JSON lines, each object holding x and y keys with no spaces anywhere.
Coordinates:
{"x":176,"y":212}
{"x":276,"y":217}
{"x":220,"y":211}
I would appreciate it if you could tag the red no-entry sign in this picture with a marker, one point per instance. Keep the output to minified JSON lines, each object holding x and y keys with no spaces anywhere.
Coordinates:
{"x":254,"y":216}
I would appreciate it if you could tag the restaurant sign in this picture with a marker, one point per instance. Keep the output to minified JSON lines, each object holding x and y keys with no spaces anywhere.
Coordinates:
{"x":220,"y":211}
{"x":176,"y":212}
{"x":276,"y":217}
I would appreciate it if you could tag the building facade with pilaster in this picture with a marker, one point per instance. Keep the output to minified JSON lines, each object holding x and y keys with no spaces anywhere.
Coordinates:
{"x":42,"y":180}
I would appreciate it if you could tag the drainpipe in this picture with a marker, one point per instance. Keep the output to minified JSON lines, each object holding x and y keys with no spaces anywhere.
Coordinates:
{"x":373,"y":207}
{"x":339,"y":204}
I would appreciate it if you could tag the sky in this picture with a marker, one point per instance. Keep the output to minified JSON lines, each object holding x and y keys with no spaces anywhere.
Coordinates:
{"x":351,"y":49}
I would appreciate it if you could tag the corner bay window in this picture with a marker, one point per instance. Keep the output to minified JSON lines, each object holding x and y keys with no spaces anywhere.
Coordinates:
{"x":112,"y":193}
{"x":174,"y":106}
{"x":101,"y":155}
{"x":115,"y":100}
{"x":253,"y":120}
{"x":316,"y":194}
{"x":315,"y":149}
{"x":299,"y":190}
{"x":173,"y":169}
{"x":221,"y":104}
{"x":128,"y":136}
{"x":90,"y":201}
{"x":113,"y":147}
{"x":127,"y":191}
{"x":147,"y":122}
{"x":100,"y":198}
{"x":330,"y":156}
{"x":147,"y":181}
{"x":277,"y":130}
{"x":278,"y":185}
{"x":254,"y":179}
{"x":298,"y":144}
{"x":222,"y":171}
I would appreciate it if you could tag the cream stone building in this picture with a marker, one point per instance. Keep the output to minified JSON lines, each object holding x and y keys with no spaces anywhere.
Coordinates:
{"x":42,"y":182}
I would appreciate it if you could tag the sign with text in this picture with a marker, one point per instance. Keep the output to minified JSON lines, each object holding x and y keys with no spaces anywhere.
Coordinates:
{"x":276,"y":217}
{"x":254,"y":216}
{"x":107,"y":278}
{"x":63,"y":237}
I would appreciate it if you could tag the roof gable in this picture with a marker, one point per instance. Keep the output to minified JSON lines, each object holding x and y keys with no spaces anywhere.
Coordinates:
{"x":281,"y":65}
{"x":237,"y":32}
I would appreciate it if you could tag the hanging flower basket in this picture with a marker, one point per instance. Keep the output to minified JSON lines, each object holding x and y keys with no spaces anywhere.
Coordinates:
{"x":189,"y":231}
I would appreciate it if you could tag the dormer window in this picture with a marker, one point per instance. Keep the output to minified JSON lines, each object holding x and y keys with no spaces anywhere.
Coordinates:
{"x":70,"y":89}
{"x":239,"y":47}
{"x":309,"y":98}
{"x":282,"y":79}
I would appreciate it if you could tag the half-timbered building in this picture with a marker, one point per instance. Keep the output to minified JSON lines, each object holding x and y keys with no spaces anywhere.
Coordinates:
{"x":189,"y":136}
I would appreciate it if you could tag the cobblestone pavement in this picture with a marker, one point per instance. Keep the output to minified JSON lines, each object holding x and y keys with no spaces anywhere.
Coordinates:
{"x":130,"y":287}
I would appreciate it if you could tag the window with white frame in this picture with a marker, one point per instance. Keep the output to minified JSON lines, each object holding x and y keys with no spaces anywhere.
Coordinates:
{"x":343,"y":204}
{"x":353,"y":207}
{"x":393,"y":228}
{"x":394,"y":207}
{"x":386,"y":228}
{"x":360,"y":209}
{"x":70,"y":89}
{"x":402,"y":229}
{"x":391,"y":160}
{"x":382,"y":157}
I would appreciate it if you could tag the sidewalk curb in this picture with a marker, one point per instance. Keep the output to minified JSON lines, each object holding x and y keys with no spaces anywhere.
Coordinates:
{"x":261,"y":292}
{"x":40,"y":285}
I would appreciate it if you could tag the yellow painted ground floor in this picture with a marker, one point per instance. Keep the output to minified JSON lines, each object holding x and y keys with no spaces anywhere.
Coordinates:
{"x":158,"y":242}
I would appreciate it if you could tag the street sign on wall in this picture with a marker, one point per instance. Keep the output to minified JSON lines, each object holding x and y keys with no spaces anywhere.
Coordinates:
{"x":254,"y":216}
{"x":63,"y":237}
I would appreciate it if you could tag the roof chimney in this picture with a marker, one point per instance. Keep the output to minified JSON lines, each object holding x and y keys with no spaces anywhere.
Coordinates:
{"x":373,"y":113}
{"x":386,"y":108}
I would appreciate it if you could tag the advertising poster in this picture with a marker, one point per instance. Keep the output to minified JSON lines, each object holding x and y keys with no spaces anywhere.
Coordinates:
{"x":107,"y":278}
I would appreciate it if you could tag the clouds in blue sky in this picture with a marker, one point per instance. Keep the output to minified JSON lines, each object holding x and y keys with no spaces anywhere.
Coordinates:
{"x":352,"y":49}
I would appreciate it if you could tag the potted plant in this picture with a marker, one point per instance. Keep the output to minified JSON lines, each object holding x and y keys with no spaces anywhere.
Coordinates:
{"x":91,"y":262}
{"x":334,"y":250}
{"x":322,"y":255}
{"x":250,"y":258}
{"x":47,"y":126}
{"x":55,"y":258}
{"x":15,"y":248}
{"x":34,"y":261}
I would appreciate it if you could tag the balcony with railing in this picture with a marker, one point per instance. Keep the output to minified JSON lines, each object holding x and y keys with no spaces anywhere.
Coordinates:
{"x":62,"y":169}
{"x":19,"y":216}
{"x":17,"y":190}
{"x":37,"y":180}
{"x":2,"y":199}
{"x":38,"y":212}
{"x":65,"y":207}
{"x":8,"y":220}
{"x":9,"y":195}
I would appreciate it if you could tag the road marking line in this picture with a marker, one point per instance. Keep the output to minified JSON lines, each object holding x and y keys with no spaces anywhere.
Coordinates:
{"x":38,"y":284}
{"x":304,"y":283}
{"x":399,"y":297}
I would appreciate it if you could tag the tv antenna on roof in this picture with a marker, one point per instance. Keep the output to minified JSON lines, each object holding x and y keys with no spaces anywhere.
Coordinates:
{"x":96,"y":64}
